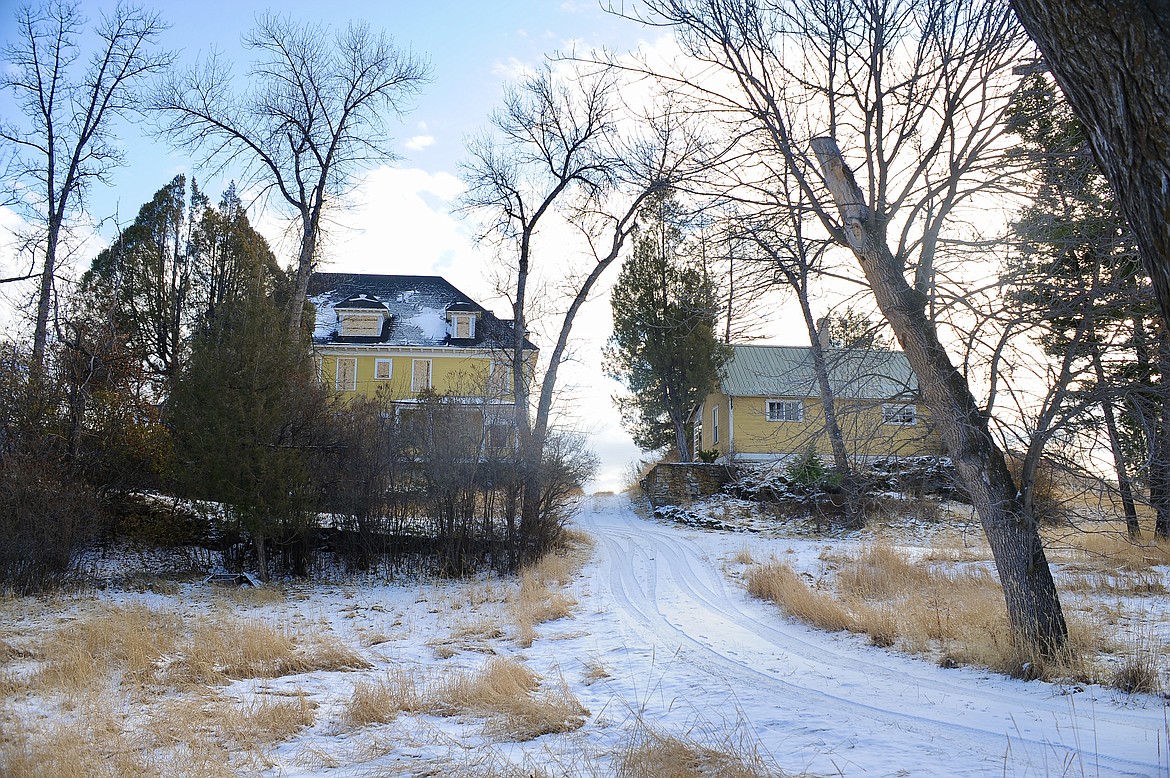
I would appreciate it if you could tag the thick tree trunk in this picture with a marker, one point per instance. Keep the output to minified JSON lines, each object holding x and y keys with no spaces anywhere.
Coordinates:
{"x":296,"y":304}
{"x":1033,"y":606}
{"x":1160,"y":451}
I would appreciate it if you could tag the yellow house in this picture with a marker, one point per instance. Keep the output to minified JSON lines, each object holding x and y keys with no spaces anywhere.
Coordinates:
{"x":398,"y":337}
{"x":767,"y":405}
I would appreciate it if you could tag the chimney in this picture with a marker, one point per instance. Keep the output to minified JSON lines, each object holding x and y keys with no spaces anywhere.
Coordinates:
{"x":823,"y":333}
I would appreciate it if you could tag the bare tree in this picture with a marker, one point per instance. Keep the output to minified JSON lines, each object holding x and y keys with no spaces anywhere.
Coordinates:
{"x":313,"y":117}
{"x":777,"y":231}
{"x":67,"y":140}
{"x":557,"y":153}
{"x":917,"y":90}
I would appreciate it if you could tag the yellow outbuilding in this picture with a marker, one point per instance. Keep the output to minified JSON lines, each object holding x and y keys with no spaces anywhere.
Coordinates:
{"x":767,"y":405}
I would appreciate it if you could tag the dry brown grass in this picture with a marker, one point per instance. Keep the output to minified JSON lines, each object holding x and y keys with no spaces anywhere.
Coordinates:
{"x":510,"y":695}
{"x":1105,"y":547}
{"x":540,"y":597}
{"x":955,"y":616}
{"x":780,"y":583}
{"x":476,"y":637}
{"x":651,"y":753}
{"x":131,"y":639}
{"x":743,"y":557}
{"x":236,"y":648}
{"x":265,"y":721}
{"x":111,"y":671}
{"x":380,"y":701}
{"x":144,"y":646}
{"x":90,"y":746}
{"x":537,"y":603}
{"x":594,"y":671}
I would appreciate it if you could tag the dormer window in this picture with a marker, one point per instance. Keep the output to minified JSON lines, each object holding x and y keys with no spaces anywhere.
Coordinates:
{"x":361,"y":317}
{"x":463,"y":325}
{"x":461,"y":321}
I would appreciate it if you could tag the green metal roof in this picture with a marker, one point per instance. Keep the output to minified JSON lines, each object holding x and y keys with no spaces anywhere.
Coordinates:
{"x":787,"y":371}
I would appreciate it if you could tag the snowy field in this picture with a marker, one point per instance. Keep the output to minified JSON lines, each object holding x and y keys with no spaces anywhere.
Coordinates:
{"x":661,"y":646}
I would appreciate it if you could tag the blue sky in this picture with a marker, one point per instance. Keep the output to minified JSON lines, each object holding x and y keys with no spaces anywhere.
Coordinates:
{"x":399,"y":220}
{"x":473,"y":47}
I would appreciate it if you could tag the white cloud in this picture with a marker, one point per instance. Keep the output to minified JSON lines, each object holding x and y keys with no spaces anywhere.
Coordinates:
{"x":420,"y":142}
{"x":512,"y":70}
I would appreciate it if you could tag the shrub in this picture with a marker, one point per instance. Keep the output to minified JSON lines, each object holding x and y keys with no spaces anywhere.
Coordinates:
{"x":806,"y":470}
{"x":46,"y":517}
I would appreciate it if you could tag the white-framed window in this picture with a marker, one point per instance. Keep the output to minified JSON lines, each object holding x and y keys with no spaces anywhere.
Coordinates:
{"x":347,"y":374}
{"x":383,"y":369}
{"x":420,"y":375}
{"x":462,"y":325}
{"x":715,"y":424}
{"x":895,"y":413}
{"x":500,"y":377}
{"x":784,"y":410}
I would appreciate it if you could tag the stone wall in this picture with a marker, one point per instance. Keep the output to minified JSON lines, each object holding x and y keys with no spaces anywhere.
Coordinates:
{"x":678,"y":483}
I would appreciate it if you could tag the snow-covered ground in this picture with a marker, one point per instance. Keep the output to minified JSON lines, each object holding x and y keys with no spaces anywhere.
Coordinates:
{"x":663,"y":639}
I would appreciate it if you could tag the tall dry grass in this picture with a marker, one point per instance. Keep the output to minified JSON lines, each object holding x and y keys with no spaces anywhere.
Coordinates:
{"x":133,"y":690}
{"x":953,"y":615}
{"x":89,"y":746}
{"x":512,"y":697}
{"x":647,"y":751}
{"x":229,"y":648}
{"x":264,"y":721}
{"x":781,"y":584}
{"x":132,"y":640}
{"x":541,"y":597}
{"x":1105,"y":547}
{"x":380,"y":700}
{"x":539,"y":600}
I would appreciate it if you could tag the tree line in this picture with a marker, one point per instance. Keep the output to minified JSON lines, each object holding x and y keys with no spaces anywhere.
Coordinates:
{"x":179,"y":363}
{"x":852,"y":140}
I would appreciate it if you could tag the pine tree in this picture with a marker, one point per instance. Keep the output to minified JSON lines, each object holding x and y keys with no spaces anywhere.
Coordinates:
{"x":1077,"y":275}
{"x":244,"y":412}
{"x":664,"y":347}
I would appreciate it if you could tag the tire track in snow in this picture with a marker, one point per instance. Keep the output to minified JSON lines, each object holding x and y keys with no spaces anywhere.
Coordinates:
{"x":666,"y":592}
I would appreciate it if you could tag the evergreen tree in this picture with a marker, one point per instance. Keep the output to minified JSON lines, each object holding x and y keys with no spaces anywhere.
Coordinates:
{"x":226,"y":252}
{"x":244,"y":413}
{"x":1077,"y":275}
{"x":167,"y":274}
{"x":853,"y":328}
{"x":146,"y":277}
{"x":664,"y":347}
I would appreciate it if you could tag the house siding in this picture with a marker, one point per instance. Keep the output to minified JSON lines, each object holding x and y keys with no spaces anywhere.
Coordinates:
{"x":750,"y":433}
{"x":456,"y":374}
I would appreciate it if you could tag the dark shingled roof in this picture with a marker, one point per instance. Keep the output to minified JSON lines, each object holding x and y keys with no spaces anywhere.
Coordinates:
{"x":417,"y":305}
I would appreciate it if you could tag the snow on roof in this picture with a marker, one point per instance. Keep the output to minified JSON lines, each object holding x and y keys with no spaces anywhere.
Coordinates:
{"x":417,"y":306}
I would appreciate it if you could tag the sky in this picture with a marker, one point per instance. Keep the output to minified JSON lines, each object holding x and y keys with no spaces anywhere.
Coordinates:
{"x":399,"y":219}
